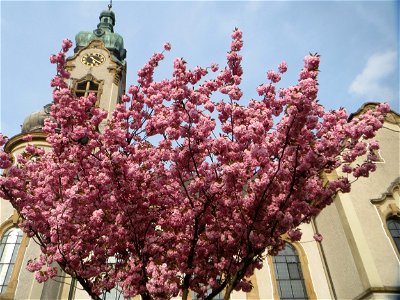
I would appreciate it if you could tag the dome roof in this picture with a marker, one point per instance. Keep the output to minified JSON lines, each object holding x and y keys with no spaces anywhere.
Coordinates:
{"x":109,"y":14}
{"x":105,"y":32}
{"x":35,"y":121}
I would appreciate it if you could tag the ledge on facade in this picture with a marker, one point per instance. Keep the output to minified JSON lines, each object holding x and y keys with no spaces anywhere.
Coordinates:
{"x":388,"y":192}
{"x":391,"y":117}
{"x":16,"y":140}
{"x":387,"y":290}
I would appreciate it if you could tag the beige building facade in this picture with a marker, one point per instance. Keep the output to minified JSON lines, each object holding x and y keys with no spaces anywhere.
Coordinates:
{"x":358,"y":258}
{"x":362,"y":249}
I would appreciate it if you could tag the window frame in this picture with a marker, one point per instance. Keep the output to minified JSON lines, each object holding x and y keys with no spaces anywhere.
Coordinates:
{"x":387,"y":208}
{"x":10,"y":243}
{"x":309,"y":288}
{"x":292,"y":265}
{"x":10,"y":223}
{"x":88,"y":80}
{"x":395,"y":218}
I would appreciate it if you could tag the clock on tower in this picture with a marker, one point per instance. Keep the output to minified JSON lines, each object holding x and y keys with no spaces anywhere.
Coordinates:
{"x":98,"y":65}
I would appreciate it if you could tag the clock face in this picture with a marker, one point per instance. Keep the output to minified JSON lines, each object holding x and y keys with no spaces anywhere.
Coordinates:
{"x":93,"y":59}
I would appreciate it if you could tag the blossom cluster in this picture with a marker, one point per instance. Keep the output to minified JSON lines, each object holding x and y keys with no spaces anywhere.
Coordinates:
{"x":180,"y":199}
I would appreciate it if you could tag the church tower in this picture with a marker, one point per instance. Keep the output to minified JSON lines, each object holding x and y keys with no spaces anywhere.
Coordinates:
{"x":98,"y":64}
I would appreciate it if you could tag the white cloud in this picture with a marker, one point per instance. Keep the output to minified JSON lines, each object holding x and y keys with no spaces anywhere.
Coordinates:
{"x":370,"y":83}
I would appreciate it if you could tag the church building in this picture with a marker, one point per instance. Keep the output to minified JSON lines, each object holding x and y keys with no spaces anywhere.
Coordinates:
{"x":359,"y":257}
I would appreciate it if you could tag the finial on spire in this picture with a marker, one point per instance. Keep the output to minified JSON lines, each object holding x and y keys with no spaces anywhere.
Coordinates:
{"x":110,"y":5}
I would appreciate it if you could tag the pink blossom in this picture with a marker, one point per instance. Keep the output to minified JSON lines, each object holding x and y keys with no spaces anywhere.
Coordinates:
{"x":237,"y":34}
{"x":282,"y":67}
{"x":31,"y":149}
{"x":97,"y":216}
{"x":133,"y":89}
{"x":273,"y":76}
{"x":209,"y":106}
{"x":318,"y":237}
{"x":158,"y":187}
{"x":5,"y":161}
{"x":66,"y":44}
{"x":373,"y":145}
{"x":311,"y":62}
{"x":383,"y":108}
{"x":27,"y":138}
{"x":167,"y":46}
{"x":3,"y":140}
{"x":214,"y":67}
{"x":347,"y":169}
{"x":53,"y":59}
{"x":295,"y":235}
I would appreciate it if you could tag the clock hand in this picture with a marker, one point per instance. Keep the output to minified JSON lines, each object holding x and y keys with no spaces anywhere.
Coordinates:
{"x":96,"y":60}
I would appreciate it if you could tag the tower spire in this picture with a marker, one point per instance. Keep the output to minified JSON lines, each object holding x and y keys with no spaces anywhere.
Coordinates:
{"x":105,"y":32}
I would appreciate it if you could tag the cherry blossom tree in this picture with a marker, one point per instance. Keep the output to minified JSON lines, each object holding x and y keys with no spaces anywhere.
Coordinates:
{"x":185,"y":188}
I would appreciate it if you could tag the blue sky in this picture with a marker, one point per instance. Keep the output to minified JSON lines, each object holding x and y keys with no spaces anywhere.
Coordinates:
{"x":358,"y":42}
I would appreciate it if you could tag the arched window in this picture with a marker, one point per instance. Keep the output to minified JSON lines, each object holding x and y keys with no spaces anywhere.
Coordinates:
{"x":83,"y":88}
{"x":115,"y":293}
{"x":289,"y":275}
{"x":9,"y":247}
{"x":393,"y":225}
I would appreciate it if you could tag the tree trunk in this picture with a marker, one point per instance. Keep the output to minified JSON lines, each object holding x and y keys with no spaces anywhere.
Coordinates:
{"x":185,"y":294}
{"x":145,"y":296}
{"x":229,"y":288}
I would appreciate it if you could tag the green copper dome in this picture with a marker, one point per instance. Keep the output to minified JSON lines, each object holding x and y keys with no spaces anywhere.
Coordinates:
{"x":105,"y":32}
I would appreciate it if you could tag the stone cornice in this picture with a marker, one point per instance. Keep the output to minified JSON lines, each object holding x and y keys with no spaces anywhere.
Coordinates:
{"x":16,"y":140}
{"x":391,"y":117}
{"x":395,"y":184}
